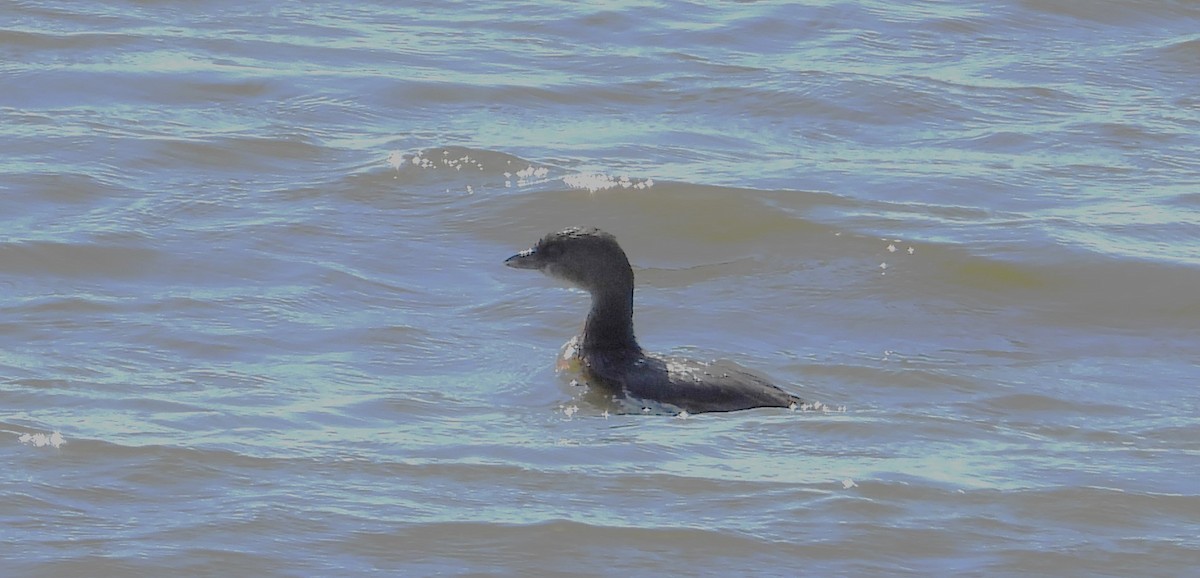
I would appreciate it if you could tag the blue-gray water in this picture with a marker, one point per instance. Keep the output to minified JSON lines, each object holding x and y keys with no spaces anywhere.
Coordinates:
{"x":254,"y":319}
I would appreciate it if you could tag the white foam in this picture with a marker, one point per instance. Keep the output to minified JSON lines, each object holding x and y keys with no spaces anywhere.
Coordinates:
{"x":594,"y":182}
{"x":41,"y":440}
{"x":526,"y":176}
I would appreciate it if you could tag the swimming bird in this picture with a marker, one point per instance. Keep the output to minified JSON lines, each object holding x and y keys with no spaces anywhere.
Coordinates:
{"x":606,"y":351}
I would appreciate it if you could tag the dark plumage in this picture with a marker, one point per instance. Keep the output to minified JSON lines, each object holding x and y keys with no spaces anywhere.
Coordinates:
{"x":609,"y":355}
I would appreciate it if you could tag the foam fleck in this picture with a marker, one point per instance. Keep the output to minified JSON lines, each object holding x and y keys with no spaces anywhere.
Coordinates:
{"x":396,"y":159}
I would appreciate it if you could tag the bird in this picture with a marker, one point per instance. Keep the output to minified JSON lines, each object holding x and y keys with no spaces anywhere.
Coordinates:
{"x":606,"y":352}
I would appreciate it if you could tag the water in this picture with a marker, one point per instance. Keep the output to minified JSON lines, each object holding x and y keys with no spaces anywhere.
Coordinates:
{"x":244,"y":333}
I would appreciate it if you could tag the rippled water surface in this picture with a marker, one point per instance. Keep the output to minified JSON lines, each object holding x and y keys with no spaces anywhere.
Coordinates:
{"x":254,"y":318}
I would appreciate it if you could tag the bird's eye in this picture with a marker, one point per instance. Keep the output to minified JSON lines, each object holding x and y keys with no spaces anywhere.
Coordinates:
{"x":552,"y":250}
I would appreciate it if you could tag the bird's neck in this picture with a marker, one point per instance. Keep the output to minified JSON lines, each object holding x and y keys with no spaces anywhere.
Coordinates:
{"x":609,"y":324}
